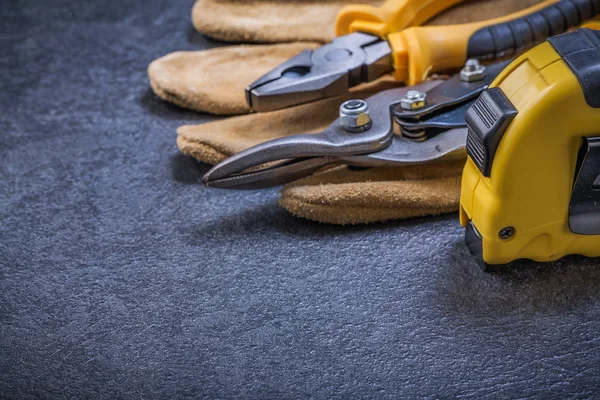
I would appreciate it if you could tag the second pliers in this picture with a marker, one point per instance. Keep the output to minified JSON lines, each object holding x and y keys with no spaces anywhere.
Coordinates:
{"x":387,"y":40}
{"x":403,"y":126}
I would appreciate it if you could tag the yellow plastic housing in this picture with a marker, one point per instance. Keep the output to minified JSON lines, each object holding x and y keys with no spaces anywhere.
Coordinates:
{"x":420,"y":51}
{"x":533,"y":170}
{"x":392,"y":16}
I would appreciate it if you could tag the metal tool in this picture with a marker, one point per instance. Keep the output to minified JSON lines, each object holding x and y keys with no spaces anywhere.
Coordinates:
{"x":531,"y":186}
{"x":409,"y":125}
{"x":378,"y":41}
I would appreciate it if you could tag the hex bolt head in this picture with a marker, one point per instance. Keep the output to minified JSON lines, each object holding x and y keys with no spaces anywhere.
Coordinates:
{"x":473,"y":71}
{"x":507,"y":233}
{"x":355,"y":117}
{"x":413,"y":100}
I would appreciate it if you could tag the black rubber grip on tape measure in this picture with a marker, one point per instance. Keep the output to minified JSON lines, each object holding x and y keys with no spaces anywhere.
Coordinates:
{"x":580,"y":50}
{"x":507,"y":38}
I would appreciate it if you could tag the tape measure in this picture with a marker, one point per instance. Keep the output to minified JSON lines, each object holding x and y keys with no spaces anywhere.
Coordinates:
{"x":531,"y":185}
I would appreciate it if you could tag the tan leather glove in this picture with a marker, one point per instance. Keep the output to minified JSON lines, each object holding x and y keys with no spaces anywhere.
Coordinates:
{"x":270,"y":21}
{"x":214,"y":81}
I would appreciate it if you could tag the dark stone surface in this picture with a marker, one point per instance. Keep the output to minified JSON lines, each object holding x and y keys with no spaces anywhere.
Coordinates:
{"x":122,"y":277}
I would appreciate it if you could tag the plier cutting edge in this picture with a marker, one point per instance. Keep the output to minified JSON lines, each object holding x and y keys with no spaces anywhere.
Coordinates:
{"x":375,"y":41}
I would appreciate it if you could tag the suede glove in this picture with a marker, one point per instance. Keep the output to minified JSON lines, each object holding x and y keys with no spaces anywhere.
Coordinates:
{"x":214,"y":81}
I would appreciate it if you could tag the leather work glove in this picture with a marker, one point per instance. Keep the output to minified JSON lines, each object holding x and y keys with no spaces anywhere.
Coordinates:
{"x":270,"y":21}
{"x":215,"y":80}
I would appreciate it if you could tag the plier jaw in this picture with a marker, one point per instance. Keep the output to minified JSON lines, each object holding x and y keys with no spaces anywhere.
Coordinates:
{"x":328,"y":71}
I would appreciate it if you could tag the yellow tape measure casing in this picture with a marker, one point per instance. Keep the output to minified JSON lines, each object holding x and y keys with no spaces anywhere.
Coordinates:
{"x":522,"y":209}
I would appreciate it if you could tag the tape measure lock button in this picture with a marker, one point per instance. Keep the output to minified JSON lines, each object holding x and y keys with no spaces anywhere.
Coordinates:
{"x":487,"y":120}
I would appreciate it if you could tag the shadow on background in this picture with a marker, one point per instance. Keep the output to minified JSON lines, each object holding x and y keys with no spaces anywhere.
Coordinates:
{"x":163,"y":109}
{"x":198,"y":39}
{"x":458,"y":285}
{"x":527,"y":286}
{"x":267,"y":216}
{"x":187,"y":170}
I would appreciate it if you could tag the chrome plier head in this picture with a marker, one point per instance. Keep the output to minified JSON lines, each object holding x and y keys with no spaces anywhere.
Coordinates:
{"x":328,"y":71}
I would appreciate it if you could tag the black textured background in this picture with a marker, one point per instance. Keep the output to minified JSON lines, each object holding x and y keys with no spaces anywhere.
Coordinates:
{"x":122,"y":277}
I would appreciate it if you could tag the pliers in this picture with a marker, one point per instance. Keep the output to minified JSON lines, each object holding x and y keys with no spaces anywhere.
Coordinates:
{"x":373,"y":42}
{"x":402,"y":126}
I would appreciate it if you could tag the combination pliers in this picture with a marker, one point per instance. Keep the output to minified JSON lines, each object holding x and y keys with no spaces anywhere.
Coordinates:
{"x":375,"y":41}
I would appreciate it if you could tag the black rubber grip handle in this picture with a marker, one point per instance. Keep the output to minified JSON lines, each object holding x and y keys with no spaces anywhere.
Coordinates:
{"x":508,"y":38}
{"x":580,"y":50}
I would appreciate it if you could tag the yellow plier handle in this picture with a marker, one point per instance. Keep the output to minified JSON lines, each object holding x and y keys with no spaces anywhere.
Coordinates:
{"x":595,"y":25}
{"x":392,"y":16}
{"x":419,"y":51}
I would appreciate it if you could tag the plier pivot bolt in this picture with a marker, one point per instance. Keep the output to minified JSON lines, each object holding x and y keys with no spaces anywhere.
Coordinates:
{"x":473,"y":71}
{"x":414,"y":100}
{"x":355,"y":116}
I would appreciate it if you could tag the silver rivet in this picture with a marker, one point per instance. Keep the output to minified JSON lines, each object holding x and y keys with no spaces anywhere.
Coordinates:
{"x":413,"y":100}
{"x":507,"y":233}
{"x":355,"y":116}
{"x":473,"y":71}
